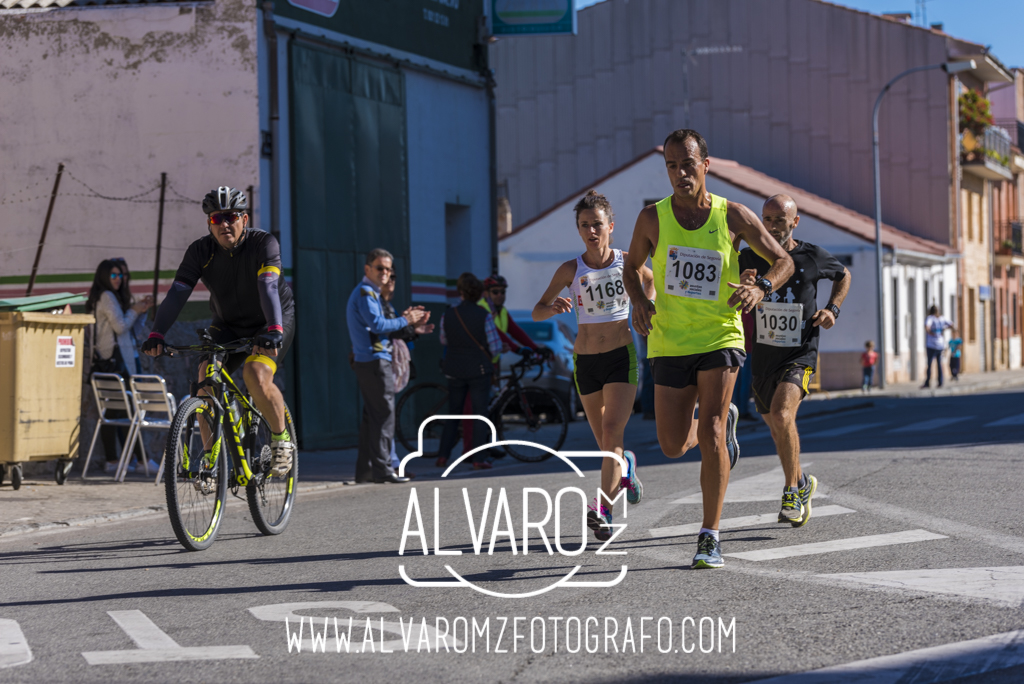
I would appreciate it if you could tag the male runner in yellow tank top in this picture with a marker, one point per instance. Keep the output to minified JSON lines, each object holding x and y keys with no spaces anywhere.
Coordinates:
{"x":694,"y":334}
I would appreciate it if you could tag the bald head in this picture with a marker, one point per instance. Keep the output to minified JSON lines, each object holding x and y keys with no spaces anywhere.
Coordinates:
{"x":780,"y":219}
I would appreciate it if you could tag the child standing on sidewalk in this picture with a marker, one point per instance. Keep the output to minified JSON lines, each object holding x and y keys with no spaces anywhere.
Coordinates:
{"x":955,"y":350}
{"x":867,"y":361}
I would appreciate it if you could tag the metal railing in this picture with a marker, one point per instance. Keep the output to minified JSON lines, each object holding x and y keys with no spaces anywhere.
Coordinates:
{"x":1013,"y":128}
{"x":1011,"y":242}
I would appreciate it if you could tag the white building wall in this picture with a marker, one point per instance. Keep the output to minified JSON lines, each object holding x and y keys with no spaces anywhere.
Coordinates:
{"x":448,"y":164}
{"x":120,"y":94}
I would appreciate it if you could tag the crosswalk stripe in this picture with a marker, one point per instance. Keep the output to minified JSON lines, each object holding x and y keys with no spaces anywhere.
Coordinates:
{"x":1008,"y":421}
{"x":923,"y":666}
{"x":1002,"y":585}
{"x":14,"y":649}
{"x":845,"y":430}
{"x":867,"y":542}
{"x":764,"y":487}
{"x":743,"y":521}
{"x":933,"y":424}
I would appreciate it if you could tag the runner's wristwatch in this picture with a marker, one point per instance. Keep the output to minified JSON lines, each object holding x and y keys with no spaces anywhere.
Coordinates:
{"x":834,"y":309}
{"x":764,"y":284}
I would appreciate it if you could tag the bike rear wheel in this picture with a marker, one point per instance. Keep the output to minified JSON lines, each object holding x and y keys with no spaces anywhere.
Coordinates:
{"x":271,"y":498}
{"x":531,"y":414}
{"x":416,"y":405}
{"x":196,"y":488}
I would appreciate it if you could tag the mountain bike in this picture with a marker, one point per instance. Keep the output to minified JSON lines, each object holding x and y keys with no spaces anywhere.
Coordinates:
{"x":524,"y":413}
{"x":218,"y":442}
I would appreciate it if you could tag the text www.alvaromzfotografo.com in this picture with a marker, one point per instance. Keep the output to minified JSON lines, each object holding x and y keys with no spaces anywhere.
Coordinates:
{"x":514,"y":635}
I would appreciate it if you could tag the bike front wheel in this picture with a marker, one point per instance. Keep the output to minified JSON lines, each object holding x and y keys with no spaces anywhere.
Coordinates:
{"x":271,"y":497}
{"x":196,"y":476}
{"x":531,"y":414}
{"x":416,"y":405}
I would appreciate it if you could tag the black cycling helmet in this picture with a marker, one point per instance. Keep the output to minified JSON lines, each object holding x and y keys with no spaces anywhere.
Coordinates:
{"x":225,"y":199}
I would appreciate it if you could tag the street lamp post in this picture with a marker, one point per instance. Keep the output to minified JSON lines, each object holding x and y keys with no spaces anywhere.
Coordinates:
{"x":949,"y":68}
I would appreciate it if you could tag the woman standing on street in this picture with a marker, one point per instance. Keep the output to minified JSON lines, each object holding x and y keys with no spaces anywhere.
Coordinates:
{"x":471,"y":340}
{"x":114,"y":346}
{"x":604,"y":360}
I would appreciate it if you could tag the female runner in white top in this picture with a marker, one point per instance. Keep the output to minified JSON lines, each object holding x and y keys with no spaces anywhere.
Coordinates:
{"x":604,"y":360}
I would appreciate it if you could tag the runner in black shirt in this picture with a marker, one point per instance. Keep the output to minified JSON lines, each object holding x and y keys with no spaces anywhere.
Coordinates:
{"x":786,"y":343}
{"x":248,"y":298}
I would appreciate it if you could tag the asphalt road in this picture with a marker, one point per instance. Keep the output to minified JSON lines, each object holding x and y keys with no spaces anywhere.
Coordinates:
{"x":913,"y":561}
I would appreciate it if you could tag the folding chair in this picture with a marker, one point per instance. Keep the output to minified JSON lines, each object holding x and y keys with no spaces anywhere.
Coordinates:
{"x":110,"y":394}
{"x":149,"y":395}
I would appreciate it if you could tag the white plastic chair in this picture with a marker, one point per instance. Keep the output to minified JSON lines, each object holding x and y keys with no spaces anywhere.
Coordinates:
{"x":149,"y":396}
{"x":110,"y":394}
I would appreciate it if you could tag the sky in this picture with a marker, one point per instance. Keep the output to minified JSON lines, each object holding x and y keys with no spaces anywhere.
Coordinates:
{"x":999,"y":23}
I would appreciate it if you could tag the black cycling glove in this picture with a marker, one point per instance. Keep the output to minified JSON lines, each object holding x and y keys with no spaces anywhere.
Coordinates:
{"x":270,"y":339}
{"x":152,"y":342}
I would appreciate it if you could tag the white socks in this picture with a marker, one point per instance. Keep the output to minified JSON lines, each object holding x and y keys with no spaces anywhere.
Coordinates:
{"x":713,"y":533}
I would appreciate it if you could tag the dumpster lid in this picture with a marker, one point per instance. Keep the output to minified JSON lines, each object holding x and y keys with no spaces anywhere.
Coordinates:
{"x":41,"y":302}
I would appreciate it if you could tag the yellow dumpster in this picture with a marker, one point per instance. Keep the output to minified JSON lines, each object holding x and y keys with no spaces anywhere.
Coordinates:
{"x":40,"y":389}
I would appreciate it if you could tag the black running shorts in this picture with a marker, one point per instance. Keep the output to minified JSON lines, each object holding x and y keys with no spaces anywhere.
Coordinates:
{"x":594,"y":371}
{"x":764,"y":386}
{"x":681,"y":371}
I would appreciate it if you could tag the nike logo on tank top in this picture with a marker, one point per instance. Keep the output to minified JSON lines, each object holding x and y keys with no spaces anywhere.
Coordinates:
{"x":691,"y":269}
{"x":598,"y":294}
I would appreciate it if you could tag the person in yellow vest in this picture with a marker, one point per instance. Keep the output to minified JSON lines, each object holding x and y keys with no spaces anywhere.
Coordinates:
{"x":493,"y":301}
{"x":695,"y":341}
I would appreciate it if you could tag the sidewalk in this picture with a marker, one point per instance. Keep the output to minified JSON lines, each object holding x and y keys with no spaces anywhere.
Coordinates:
{"x":967,"y":384}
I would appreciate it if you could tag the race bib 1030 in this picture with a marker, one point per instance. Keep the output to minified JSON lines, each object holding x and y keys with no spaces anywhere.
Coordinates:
{"x":779,"y":324}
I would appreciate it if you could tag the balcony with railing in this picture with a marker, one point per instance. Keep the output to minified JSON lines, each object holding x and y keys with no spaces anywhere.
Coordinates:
{"x":1010,"y":251}
{"x":1014,"y":128}
{"x":988,"y":155}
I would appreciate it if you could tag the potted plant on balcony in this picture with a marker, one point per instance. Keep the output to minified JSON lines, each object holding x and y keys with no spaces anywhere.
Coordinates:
{"x":1005,"y":247}
{"x":975,"y":117}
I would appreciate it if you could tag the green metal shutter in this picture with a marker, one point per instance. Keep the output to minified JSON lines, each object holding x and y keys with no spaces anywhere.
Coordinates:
{"x":349,"y":195}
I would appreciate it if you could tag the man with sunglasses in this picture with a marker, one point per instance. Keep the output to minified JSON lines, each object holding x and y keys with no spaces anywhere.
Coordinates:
{"x":248,"y":298}
{"x":369,"y":330}
{"x":493,"y":301}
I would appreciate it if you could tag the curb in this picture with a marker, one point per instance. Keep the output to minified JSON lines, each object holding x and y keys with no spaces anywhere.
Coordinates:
{"x":119,"y":516}
{"x":949,"y":390}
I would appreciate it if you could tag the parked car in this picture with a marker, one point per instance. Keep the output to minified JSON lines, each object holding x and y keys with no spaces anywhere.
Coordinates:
{"x":557,"y":334}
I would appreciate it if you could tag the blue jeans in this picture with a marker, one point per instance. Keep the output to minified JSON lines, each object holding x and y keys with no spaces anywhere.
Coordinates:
{"x":933,"y":355}
{"x":868,"y":376}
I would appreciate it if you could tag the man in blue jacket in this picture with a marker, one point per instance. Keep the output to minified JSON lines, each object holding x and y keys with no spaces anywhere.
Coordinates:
{"x":368,"y":329}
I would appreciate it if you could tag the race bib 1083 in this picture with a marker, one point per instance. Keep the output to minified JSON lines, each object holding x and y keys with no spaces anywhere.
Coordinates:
{"x":694,"y":273}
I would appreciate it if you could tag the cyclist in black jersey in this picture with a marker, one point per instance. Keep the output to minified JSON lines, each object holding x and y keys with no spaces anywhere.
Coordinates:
{"x":241,"y":268}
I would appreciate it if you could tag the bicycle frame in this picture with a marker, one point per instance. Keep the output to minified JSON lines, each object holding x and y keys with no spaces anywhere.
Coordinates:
{"x":223,"y":392}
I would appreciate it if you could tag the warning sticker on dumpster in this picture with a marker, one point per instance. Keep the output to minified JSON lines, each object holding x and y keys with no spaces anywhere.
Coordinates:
{"x":65,"y":352}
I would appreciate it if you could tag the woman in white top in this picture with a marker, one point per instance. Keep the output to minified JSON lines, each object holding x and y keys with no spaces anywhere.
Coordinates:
{"x":110,"y":300}
{"x":604,"y":360}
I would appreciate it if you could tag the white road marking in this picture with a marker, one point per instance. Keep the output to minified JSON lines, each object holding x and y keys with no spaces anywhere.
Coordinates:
{"x":14,"y":648}
{"x":764,"y":487}
{"x":844,"y":430}
{"x":867,"y":542}
{"x":743,"y":521}
{"x":933,"y":424}
{"x":156,"y":646}
{"x":1008,"y":421}
{"x":923,"y":666}
{"x":1003,"y":585}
